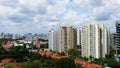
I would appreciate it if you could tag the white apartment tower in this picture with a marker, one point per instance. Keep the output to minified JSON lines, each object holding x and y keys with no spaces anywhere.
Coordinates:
{"x":62,"y":39}
{"x":78,"y":37}
{"x":53,"y":36}
{"x":95,"y":40}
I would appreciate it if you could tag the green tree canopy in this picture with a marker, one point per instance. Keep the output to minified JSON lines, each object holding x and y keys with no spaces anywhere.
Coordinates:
{"x":74,"y":53}
{"x":65,"y":63}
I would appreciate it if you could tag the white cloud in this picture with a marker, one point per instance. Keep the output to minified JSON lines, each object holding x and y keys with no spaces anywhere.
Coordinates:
{"x":89,"y":3}
{"x":37,"y":14}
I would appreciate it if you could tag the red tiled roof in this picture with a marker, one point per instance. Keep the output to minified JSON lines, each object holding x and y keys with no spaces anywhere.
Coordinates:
{"x":87,"y":65}
{"x":8,"y":44}
{"x":48,"y":54}
{"x":83,"y":63}
{"x":6,"y":61}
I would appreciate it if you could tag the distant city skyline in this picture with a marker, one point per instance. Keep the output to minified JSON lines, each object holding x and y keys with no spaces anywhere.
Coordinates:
{"x":39,"y":16}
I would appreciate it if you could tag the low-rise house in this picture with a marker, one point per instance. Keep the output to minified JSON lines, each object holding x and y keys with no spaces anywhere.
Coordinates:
{"x":7,"y":46}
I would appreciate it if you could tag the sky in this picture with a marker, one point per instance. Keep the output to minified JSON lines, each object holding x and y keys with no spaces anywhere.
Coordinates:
{"x":40,"y":16}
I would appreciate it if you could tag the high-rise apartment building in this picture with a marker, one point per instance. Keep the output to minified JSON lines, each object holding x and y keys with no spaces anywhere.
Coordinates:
{"x":118,"y":41}
{"x":62,"y":39}
{"x":53,"y":38}
{"x":113,"y":40}
{"x":78,"y":37}
{"x":94,"y":40}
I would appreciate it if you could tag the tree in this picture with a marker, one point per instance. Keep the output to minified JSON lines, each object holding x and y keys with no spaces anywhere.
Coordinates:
{"x":43,"y":58}
{"x":35,"y":56}
{"x":62,"y":53}
{"x":111,"y":54}
{"x":3,"y":53}
{"x":33,"y":64}
{"x":74,"y":53}
{"x":99,"y":61}
{"x":112,"y":63}
{"x":65,"y":63}
{"x":8,"y":66}
{"x":85,"y":58}
{"x":78,"y":66}
{"x":90,"y":58}
{"x":18,"y":53}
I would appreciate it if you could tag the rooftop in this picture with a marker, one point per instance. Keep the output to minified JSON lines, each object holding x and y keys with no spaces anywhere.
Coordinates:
{"x":77,"y":61}
{"x":8,"y":44}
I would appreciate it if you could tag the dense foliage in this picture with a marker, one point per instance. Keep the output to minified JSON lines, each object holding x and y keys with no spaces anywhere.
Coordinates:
{"x":47,"y":62}
{"x":18,"y":53}
{"x":74,"y":53}
{"x":35,"y":60}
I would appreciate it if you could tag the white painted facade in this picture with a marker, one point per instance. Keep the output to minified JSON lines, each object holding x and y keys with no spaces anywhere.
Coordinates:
{"x":94,"y":40}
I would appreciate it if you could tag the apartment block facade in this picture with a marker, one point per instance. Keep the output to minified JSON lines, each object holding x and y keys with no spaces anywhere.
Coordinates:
{"x":62,"y":39}
{"x":78,"y":37}
{"x":94,"y":40}
{"x":117,"y":55}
